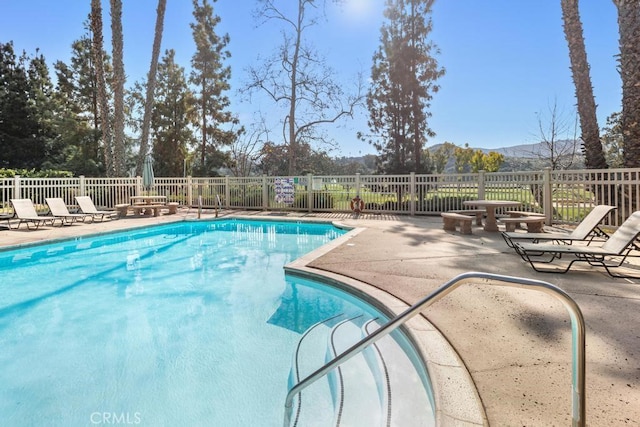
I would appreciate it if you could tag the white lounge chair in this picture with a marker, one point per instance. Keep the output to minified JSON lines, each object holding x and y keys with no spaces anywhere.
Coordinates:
{"x":87,"y":207}
{"x":26,"y":213}
{"x":588,"y":230}
{"x":610,"y":255}
{"x":58,"y":208}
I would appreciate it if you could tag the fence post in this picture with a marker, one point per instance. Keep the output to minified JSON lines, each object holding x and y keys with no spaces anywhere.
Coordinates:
{"x":189,"y":200}
{"x":412,"y":191}
{"x":358,"y":184}
{"x":309,"y":192}
{"x":17,"y":191}
{"x":546,"y":195}
{"x":265,"y":193}
{"x":83,"y":186}
{"x":227,"y":192}
{"x":481,"y":193}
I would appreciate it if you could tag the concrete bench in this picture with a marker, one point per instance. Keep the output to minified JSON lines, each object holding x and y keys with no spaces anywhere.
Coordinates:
{"x":148,"y":209}
{"x":534,"y":223}
{"x":479,"y":213}
{"x":173,"y":207}
{"x":451,"y":219}
{"x":122,"y":209}
{"x":139,"y":209}
{"x":518,"y":214}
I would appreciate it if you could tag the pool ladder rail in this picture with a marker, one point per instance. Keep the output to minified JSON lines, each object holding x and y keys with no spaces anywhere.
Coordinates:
{"x":577,"y":329}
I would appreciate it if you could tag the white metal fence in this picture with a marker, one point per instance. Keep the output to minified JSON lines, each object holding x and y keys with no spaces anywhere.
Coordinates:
{"x":563,"y":196}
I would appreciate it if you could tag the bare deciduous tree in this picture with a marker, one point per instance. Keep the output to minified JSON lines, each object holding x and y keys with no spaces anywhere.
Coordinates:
{"x":298,"y":79}
{"x":245,"y":151}
{"x":557,"y":133}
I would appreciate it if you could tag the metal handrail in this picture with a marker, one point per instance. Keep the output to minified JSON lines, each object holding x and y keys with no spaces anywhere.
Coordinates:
{"x":577,"y":330}
{"x":218,"y":204}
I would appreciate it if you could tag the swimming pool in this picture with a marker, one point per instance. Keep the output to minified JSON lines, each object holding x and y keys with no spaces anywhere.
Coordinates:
{"x":191,"y":323}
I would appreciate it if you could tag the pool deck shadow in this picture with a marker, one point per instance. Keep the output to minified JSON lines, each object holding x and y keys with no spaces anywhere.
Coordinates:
{"x":514,"y":343}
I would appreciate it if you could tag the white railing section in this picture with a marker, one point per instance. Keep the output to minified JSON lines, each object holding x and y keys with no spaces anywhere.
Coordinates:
{"x":563,"y":196}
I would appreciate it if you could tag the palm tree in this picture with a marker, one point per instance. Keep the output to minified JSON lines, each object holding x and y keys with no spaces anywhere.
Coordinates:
{"x":103,"y":103}
{"x":628,"y":24}
{"x":118,"y":85}
{"x":151,"y":83}
{"x":592,"y":146}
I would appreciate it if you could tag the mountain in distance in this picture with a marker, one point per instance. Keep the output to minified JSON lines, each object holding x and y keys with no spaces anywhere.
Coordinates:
{"x":523,"y":157}
{"x":527,"y":151}
{"x":522,"y":150}
{"x":538,"y":150}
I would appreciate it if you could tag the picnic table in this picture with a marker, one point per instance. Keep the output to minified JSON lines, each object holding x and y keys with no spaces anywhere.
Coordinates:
{"x":143,"y":204}
{"x":491,"y":223}
{"x":148,"y":200}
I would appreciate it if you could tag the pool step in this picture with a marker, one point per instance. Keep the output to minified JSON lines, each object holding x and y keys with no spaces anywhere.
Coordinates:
{"x":409,"y":403}
{"x":353,"y":384}
{"x":314,"y":405}
{"x":378,"y":387}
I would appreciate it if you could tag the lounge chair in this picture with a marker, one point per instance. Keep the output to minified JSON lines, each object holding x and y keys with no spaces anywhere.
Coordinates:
{"x":26,"y":213}
{"x":7,"y":217}
{"x":588,"y":230}
{"x":58,"y":208}
{"x":610,"y":255}
{"x":87,"y":207}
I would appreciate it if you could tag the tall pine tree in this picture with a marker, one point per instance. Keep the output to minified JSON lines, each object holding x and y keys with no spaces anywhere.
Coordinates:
{"x":403,"y":77}
{"x":211,"y":78}
{"x":173,"y":117}
{"x":26,"y":131}
{"x":79,"y":118}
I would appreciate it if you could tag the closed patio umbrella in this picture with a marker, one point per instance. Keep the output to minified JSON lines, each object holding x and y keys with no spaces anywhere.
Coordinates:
{"x":147,"y":173}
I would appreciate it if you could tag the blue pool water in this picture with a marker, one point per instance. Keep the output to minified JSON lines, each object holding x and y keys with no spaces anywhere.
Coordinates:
{"x":191,"y":323}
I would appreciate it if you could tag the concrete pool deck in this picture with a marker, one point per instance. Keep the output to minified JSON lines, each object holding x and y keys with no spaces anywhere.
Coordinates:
{"x":515,"y":343}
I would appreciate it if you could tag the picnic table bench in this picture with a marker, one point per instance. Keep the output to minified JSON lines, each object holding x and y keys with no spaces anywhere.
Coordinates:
{"x":451,"y":219}
{"x":123,"y":209}
{"x":534,"y":223}
{"x":479,"y":214}
{"x":517,"y":214}
{"x":173,"y":207}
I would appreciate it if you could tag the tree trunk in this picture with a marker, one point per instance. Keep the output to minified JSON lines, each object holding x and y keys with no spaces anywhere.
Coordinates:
{"x":629,"y":28}
{"x":203,"y":155}
{"x":118,"y":88}
{"x":151,"y":85}
{"x":592,"y":146}
{"x":293,"y":143}
{"x":98,"y":49}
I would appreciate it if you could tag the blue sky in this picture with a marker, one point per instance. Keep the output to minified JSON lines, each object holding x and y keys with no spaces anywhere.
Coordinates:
{"x":506,"y":61}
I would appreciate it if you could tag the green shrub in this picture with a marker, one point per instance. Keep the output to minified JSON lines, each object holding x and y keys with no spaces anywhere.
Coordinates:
{"x":320,"y":200}
{"x":32,"y":173}
{"x":249,"y":196}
